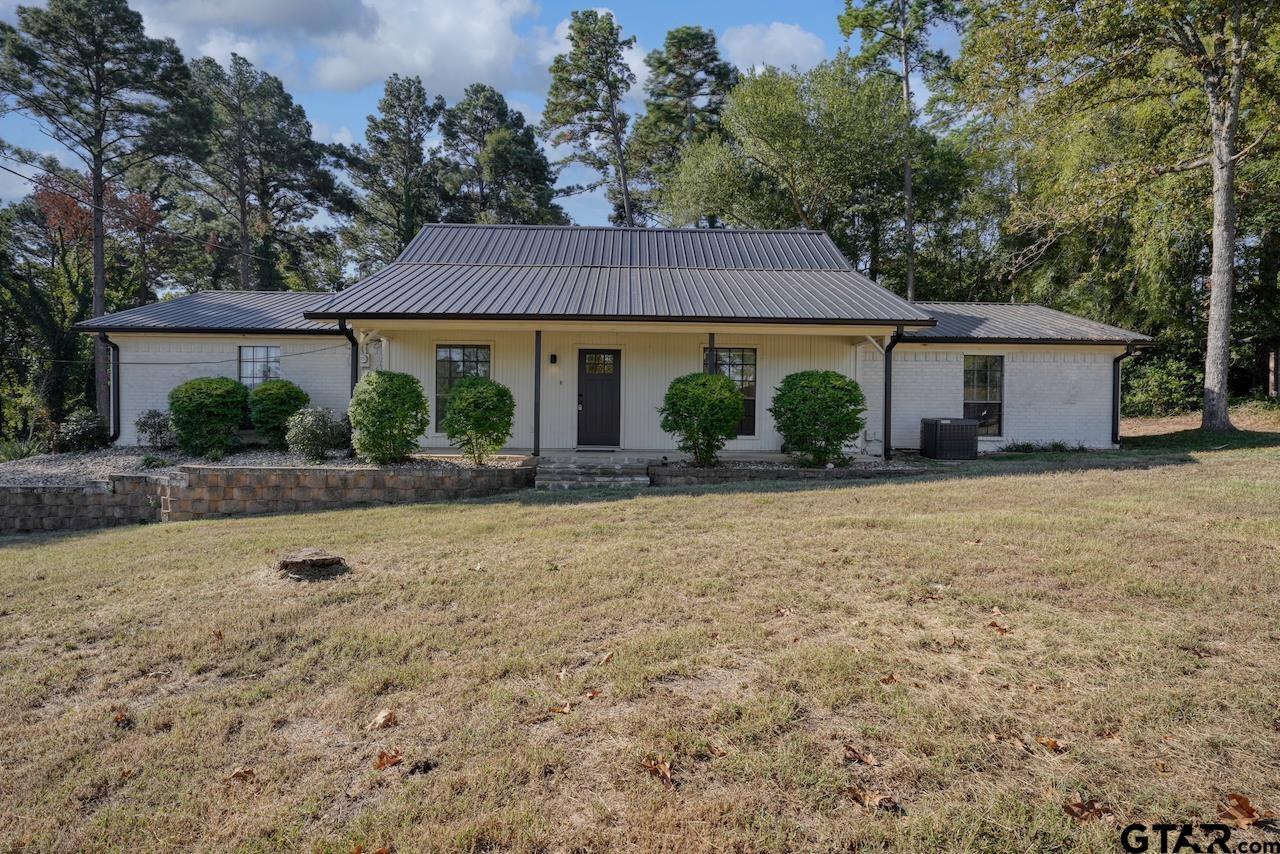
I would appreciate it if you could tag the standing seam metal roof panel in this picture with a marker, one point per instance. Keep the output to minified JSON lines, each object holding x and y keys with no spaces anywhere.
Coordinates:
{"x":959,"y":321}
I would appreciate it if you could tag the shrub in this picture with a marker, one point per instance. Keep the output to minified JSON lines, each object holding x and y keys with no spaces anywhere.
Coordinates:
{"x":388,"y":413}
{"x":702,"y":411}
{"x":84,"y":430}
{"x":313,"y":432}
{"x":270,"y":405}
{"x":151,"y":461}
{"x":1162,"y":385}
{"x":206,"y":413}
{"x":480,"y":416}
{"x":19,"y":449}
{"x":818,"y":413}
{"x":155,"y":428}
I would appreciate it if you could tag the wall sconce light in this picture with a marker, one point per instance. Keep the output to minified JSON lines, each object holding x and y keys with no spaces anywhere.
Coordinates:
{"x":553,"y":358}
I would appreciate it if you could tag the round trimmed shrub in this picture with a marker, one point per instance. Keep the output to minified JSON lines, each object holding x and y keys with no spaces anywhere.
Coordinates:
{"x":702,"y":411}
{"x":270,"y":405}
{"x":481,"y":413}
{"x":83,"y":430}
{"x":388,"y":413}
{"x":206,"y":413}
{"x":155,"y":429}
{"x":313,"y":432}
{"x":818,"y":413}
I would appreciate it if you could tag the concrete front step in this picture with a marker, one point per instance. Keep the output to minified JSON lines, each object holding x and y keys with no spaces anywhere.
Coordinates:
{"x":559,"y":485}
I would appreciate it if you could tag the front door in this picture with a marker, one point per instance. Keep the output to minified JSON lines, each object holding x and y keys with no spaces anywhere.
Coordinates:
{"x":600,"y":397}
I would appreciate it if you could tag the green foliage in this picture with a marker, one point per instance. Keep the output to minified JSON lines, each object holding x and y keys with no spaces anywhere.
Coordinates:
{"x":20,"y":449}
{"x":155,"y":429}
{"x":1161,"y":385}
{"x":314,"y":432}
{"x":388,"y":414}
{"x":271,"y":404}
{"x":493,"y":168}
{"x":1057,"y":447}
{"x":206,"y":414}
{"x":818,"y":413}
{"x":584,"y":107}
{"x":83,"y":430}
{"x":702,"y":411}
{"x":151,"y":461}
{"x":480,"y":415}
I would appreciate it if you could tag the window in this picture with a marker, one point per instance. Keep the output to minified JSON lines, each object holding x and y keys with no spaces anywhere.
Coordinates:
{"x":259,"y":364}
{"x":739,"y":365}
{"x":599,"y":363}
{"x":984,"y":393}
{"x":457,"y":362}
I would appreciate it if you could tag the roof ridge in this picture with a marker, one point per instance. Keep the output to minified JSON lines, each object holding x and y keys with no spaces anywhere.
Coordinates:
{"x":655,"y":229}
{"x":617,"y":267}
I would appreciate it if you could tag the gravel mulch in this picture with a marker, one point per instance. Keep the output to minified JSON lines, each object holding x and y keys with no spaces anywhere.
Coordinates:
{"x":74,"y":469}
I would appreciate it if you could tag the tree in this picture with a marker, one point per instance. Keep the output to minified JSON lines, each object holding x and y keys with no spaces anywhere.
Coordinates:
{"x":584,"y":106}
{"x":393,"y":174}
{"x":88,"y":74}
{"x":1190,"y":85}
{"x":899,"y":29}
{"x":686,"y":89}
{"x":493,"y":169}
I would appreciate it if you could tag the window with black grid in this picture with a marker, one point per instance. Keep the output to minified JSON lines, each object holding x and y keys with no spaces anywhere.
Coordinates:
{"x":739,"y":365}
{"x":984,"y":393}
{"x":457,"y":362}
{"x":259,"y":364}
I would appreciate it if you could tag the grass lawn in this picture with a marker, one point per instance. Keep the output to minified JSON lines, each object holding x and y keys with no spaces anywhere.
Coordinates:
{"x":994,"y":640}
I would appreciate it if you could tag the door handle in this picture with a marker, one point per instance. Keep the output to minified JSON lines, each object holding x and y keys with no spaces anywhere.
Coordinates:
{"x":579,"y":401}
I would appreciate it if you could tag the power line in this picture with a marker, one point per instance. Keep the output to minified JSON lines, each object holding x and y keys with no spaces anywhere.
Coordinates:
{"x":117,"y":213}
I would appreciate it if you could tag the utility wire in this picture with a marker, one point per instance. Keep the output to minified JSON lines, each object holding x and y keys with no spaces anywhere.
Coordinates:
{"x":121,"y":214}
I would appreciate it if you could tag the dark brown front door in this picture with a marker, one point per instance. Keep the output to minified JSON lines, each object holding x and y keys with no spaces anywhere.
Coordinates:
{"x":599,"y":397}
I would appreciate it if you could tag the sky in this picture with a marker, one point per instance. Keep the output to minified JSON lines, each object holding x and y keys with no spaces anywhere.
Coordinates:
{"x":333,"y":55}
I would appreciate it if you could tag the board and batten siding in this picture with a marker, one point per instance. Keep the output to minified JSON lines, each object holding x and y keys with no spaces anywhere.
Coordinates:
{"x":153,"y":364}
{"x":1052,"y":393}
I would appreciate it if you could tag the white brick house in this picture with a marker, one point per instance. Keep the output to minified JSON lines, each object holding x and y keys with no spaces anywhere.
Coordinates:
{"x":588,"y":326}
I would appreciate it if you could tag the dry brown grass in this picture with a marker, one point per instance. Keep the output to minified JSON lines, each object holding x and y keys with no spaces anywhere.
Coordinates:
{"x":750,"y":631}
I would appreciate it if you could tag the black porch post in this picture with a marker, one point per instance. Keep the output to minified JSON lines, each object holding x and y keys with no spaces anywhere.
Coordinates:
{"x":537,"y":392}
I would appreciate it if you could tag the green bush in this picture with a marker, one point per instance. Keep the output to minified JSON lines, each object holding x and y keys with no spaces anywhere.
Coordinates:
{"x":83,"y":430}
{"x":388,"y":413}
{"x":206,"y":413}
{"x":19,"y":449}
{"x":155,"y":428}
{"x":313,"y":432}
{"x":270,"y":405}
{"x":480,"y":416}
{"x":1162,"y":385}
{"x":702,"y":411}
{"x":818,"y":413}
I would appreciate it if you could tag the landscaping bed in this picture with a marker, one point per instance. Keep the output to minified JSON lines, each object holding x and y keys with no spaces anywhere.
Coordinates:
{"x":729,"y":471}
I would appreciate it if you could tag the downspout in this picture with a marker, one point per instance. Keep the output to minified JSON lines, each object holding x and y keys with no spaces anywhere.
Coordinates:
{"x":709,"y":363}
{"x":1115,"y":393}
{"x":115,"y":386}
{"x":355,"y":352}
{"x":537,"y":392}
{"x":887,"y":445}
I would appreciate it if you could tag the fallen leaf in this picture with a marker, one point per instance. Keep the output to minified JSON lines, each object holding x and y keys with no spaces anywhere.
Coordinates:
{"x":878,"y":801}
{"x":387,"y":760}
{"x":382,"y":720}
{"x":1161,"y":766}
{"x":1089,"y":810}
{"x":562,"y":710}
{"x":996,"y":612}
{"x":591,"y":693}
{"x":659,"y":768}
{"x":217,"y":635}
{"x":1052,"y":744}
{"x":121,"y":718}
{"x":1237,"y":809}
{"x":1000,"y":630}
{"x":782,"y":612}
{"x":977,"y":542}
{"x":244,"y":774}
{"x":563,"y":674}
{"x":860,"y":757}
{"x":478,"y":568}
{"x":608,"y":656}
{"x":714,"y":750}
{"x":889,"y":679}
{"x":1020,"y":744}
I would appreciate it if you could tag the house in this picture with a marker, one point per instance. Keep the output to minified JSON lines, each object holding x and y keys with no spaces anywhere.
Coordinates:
{"x":587,"y":326}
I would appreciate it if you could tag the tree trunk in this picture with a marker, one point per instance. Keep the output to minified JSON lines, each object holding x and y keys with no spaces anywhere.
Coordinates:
{"x":1222,"y":276}
{"x":620,"y":152}
{"x":246,"y":244}
{"x":909,"y":224}
{"x":101,"y":387}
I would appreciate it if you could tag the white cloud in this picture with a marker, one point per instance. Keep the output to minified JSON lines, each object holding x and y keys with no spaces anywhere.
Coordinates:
{"x":782,"y":45}
{"x":323,"y":132}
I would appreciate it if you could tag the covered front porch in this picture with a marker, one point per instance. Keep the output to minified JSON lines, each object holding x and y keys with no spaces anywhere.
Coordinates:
{"x":589,"y":390}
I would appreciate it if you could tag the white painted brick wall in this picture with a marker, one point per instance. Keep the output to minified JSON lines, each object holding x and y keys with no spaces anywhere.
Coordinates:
{"x":151,"y":365}
{"x":1051,"y":393}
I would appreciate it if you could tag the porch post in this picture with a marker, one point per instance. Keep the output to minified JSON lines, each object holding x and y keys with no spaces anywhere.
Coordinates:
{"x":709,"y":363}
{"x":537,"y":392}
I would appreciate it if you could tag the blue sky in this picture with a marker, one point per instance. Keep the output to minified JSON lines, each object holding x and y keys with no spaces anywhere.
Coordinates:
{"x":334,"y":54}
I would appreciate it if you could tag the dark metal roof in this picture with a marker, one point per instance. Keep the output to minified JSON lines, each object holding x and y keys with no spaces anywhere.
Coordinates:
{"x":220,"y":311}
{"x":572,"y":273}
{"x":1015,"y":323}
